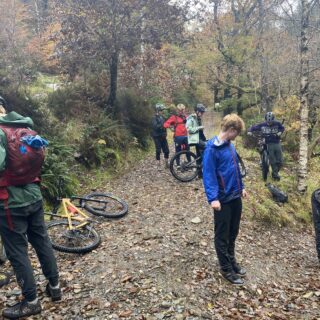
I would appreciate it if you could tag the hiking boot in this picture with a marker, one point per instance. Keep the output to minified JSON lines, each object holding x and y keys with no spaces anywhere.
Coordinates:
{"x":241,"y":272}
{"x":22,"y":309}
{"x":54,"y":293}
{"x":276,"y":177}
{"x":166,"y":163}
{"x":232,"y":277}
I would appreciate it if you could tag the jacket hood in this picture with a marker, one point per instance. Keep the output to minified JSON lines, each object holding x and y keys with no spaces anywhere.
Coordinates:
{"x":216,"y":143}
{"x":13,"y":118}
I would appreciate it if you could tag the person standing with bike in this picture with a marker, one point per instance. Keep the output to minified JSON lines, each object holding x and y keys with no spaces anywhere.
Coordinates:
{"x":159,"y":135}
{"x":195,"y":132}
{"x":21,"y":212}
{"x":224,"y":189}
{"x":178,"y":123}
{"x":271,"y":130}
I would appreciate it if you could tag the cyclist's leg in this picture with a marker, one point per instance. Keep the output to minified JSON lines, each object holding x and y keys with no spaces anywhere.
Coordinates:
{"x":16,"y":245}
{"x":186,"y":147}
{"x":157,"y":144}
{"x":165,"y":150}
{"x":315,"y":201}
{"x":38,"y":237}
{"x":177,"y":144}
{"x":273,"y":159}
{"x":279,"y":156}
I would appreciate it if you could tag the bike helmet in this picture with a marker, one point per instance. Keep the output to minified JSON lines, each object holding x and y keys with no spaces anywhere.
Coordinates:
{"x":159,"y":107}
{"x":269,"y":116}
{"x":200,"y":108}
{"x":3,"y":102}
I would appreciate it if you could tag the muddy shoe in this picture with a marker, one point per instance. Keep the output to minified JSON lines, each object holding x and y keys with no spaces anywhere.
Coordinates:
{"x":54,"y":293}
{"x":22,"y":309}
{"x":232,"y":278}
{"x":166,"y":164}
{"x":241,"y":272}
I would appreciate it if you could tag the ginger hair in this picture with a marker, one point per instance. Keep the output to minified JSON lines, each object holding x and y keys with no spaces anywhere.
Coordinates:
{"x":232,"y":121}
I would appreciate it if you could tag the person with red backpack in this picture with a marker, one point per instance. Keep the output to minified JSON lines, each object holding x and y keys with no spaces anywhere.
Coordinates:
{"x":21,"y":211}
{"x":178,"y":123}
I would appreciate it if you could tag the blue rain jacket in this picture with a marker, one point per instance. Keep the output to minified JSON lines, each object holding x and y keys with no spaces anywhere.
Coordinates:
{"x":221,"y":174}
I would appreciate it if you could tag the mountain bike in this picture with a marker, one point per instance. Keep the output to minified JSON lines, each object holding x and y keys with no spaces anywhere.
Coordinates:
{"x":73,"y":231}
{"x":191,"y":165}
{"x":264,"y":154}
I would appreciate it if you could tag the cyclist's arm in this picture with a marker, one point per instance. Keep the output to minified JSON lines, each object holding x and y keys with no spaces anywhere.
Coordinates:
{"x":191,"y":127}
{"x":156,"y":124}
{"x":210,"y":180}
{"x":256,"y":127}
{"x":169,"y":123}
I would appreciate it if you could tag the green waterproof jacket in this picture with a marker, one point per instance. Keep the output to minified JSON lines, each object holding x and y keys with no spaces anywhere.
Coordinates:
{"x":193,"y":128}
{"x":21,"y":196}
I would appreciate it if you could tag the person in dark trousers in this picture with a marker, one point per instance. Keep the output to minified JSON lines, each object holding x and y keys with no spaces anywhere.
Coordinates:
{"x":177,"y":122}
{"x":22,"y":222}
{"x":271,"y":131}
{"x":159,"y":135}
{"x":315,"y":201}
{"x":224,"y":188}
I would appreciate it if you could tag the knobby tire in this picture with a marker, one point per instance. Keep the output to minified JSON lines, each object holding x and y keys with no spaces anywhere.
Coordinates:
{"x":192,"y":170}
{"x":62,"y":233}
{"x":3,"y":256}
{"x":109,"y":207}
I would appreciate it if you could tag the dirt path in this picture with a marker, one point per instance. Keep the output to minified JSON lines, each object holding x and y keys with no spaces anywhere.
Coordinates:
{"x":158,"y":264}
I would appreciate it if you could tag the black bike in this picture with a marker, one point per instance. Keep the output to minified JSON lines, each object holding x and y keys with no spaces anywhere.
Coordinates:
{"x":264,"y":154}
{"x":185,"y":166}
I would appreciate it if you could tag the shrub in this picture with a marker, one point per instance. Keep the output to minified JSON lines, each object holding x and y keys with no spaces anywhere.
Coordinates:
{"x":135,"y":113}
{"x":58,"y":165}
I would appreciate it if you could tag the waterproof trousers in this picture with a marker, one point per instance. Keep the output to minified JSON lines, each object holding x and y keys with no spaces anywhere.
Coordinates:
{"x":226,"y":229}
{"x":27,"y":225}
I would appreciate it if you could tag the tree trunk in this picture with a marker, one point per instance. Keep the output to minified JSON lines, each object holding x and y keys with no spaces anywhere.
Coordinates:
{"x":304,"y":91}
{"x":264,"y":63}
{"x":113,"y":69}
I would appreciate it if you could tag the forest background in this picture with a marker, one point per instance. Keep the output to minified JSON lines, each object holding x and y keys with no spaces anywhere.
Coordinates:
{"x":89,"y":73}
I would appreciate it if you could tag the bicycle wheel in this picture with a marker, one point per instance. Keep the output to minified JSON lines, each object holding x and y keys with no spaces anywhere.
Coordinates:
{"x":264,"y":164}
{"x":183,"y":166}
{"x":80,"y":240}
{"x":105,"y":205}
{"x":3,"y":256}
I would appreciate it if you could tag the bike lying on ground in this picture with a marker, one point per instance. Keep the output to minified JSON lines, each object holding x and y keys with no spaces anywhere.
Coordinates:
{"x":73,"y":232}
{"x":185,"y":166}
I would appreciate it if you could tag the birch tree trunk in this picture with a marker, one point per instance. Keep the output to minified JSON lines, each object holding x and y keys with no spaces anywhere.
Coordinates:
{"x":304,"y":91}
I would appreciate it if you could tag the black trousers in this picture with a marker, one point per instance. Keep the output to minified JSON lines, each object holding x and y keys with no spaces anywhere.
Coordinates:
{"x":315,"y":201}
{"x":161,"y":143}
{"x":28,"y":226}
{"x":226,"y":229}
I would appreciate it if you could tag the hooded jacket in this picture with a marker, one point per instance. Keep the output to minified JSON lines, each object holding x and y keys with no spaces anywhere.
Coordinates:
{"x":221,"y":174}
{"x":19,"y":196}
{"x":195,"y":129}
{"x":269,"y":131}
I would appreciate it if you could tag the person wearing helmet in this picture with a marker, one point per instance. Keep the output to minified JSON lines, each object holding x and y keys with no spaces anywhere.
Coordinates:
{"x":195,"y":128}
{"x":177,"y":122}
{"x":271,"y":131}
{"x":159,"y":135}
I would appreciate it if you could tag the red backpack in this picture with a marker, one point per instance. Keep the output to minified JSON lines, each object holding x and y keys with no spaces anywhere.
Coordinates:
{"x":23,"y":163}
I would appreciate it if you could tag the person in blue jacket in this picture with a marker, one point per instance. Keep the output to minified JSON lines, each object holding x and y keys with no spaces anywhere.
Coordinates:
{"x":224,"y":189}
